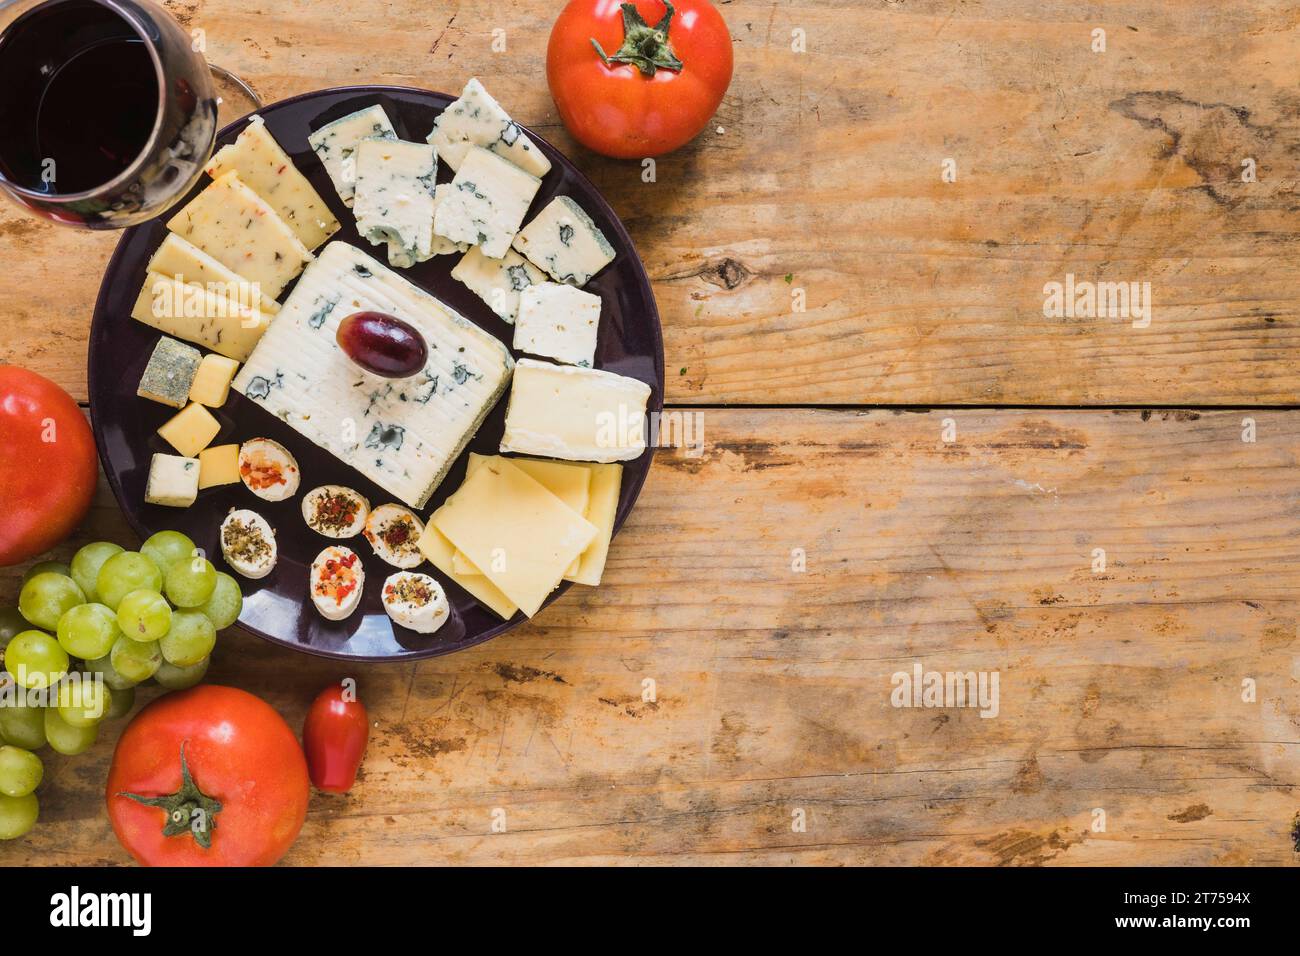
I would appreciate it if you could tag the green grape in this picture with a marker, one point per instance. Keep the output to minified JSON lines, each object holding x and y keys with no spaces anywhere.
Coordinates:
{"x":167,"y":547}
{"x":65,"y":738}
{"x":88,"y":631}
{"x":11,"y":623}
{"x":190,"y":583}
{"x":23,"y":725}
{"x":134,"y":660}
{"x":42,"y":567}
{"x":36,"y":660}
{"x":46,"y":596}
{"x":144,"y":615}
{"x":87,"y":562}
{"x":84,"y":703}
{"x":191,"y":639}
{"x":123,"y":700}
{"x":20,"y":771}
{"x":171,"y":677}
{"x":124,"y":573}
{"x":104,"y":667}
{"x":223,"y":608}
{"x":17,"y":815}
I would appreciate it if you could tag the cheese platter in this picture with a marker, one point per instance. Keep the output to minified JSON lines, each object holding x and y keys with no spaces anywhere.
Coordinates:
{"x":392,"y":362}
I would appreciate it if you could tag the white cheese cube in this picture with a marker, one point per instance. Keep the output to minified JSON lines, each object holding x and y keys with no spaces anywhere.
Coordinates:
{"x":394,"y":197}
{"x":565,"y":242}
{"x":558,"y":321}
{"x":582,"y":414}
{"x":487,"y":202}
{"x":497,"y":282}
{"x":403,"y":434}
{"x":476,"y":119}
{"x":173,"y":481}
{"x":336,"y":143}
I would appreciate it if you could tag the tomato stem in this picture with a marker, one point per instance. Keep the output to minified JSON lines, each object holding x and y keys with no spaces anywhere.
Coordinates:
{"x":645,"y":47}
{"x":189,"y":809}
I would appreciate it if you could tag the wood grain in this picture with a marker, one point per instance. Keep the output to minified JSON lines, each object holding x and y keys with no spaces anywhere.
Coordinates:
{"x":826,"y":181}
{"x":1120,"y":690}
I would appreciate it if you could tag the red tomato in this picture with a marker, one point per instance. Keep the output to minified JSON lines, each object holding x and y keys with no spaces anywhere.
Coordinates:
{"x":334,"y":736}
{"x":48,"y":465}
{"x":664,"y":72}
{"x":210,"y":776}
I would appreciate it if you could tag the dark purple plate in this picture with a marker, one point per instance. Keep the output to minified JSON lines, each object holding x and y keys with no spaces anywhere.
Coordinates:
{"x":278,"y":607}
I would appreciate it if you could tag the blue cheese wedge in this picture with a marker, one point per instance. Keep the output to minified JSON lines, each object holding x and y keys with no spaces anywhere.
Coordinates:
{"x":336,"y":143}
{"x":173,"y":481}
{"x":565,"y":242}
{"x":487,"y":203}
{"x":580,"y":414}
{"x":560,"y":322}
{"x":403,"y":434}
{"x":476,"y":119}
{"x":267,"y":170}
{"x":497,"y":282}
{"x":394,"y":201}
{"x":170,"y":373}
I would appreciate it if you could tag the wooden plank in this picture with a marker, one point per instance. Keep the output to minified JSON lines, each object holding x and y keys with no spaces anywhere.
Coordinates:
{"x":1120,"y":166}
{"x":1119,"y":690}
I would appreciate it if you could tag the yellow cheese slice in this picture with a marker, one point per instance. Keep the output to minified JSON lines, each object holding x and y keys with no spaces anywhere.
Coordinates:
{"x":567,"y":481}
{"x":606,"y":482}
{"x":190,"y":430}
{"x":218,"y":465}
{"x":180,"y":257}
{"x":435,"y":546}
{"x":266,"y":169}
{"x":196,"y":315}
{"x":522,"y":537}
{"x":235,"y":226}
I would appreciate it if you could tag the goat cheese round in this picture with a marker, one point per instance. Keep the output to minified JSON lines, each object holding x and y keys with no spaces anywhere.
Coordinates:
{"x":337,"y":580}
{"x":268,"y":469}
{"x":415,"y":601}
{"x":335,"y":511}
{"x":393,"y":531}
{"x":248,"y":543}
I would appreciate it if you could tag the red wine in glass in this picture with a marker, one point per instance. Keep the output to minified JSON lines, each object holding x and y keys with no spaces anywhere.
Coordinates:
{"x":107,"y":110}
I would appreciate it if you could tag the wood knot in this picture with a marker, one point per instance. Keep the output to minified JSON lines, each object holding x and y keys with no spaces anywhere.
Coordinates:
{"x":727,"y":274}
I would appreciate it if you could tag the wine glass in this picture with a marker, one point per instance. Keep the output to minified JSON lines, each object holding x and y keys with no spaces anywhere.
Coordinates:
{"x":109,"y":109}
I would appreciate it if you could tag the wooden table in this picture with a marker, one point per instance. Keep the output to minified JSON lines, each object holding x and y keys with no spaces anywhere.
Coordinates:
{"x":905,"y":463}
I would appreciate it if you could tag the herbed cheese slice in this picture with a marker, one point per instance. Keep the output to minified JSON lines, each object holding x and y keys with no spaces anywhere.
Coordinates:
{"x":179,"y":258}
{"x":266,"y":169}
{"x":476,"y":119}
{"x":497,"y":282}
{"x":433,"y":544}
{"x":193,"y":313}
{"x":582,"y":414}
{"x":602,"y":506}
{"x":394,"y":200}
{"x":560,"y":322}
{"x":488,"y":200}
{"x":336,"y":143}
{"x":565,"y":242}
{"x":403,"y":434}
{"x":522,"y":537}
{"x":236,"y":227}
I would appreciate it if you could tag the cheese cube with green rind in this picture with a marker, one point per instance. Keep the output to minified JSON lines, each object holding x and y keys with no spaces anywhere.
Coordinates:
{"x":564,"y":241}
{"x":336,"y":144}
{"x":170,"y":373}
{"x":173,"y":481}
{"x":476,"y":119}
{"x":487,"y":203}
{"x":497,"y":282}
{"x":403,"y":434}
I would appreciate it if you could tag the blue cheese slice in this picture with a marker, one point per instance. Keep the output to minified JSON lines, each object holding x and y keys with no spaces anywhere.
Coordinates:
{"x":403,"y":434}
{"x":267,"y":170}
{"x":581,"y":414}
{"x":558,"y":321}
{"x":497,"y":282}
{"x":487,"y":203}
{"x":394,"y":200}
{"x":476,"y":119}
{"x":336,"y":143}
{"x":565,"y":242}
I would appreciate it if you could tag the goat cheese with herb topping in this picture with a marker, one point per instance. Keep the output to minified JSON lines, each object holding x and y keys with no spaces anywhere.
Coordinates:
{"x":394,"y":201}
{"x":335,"y":511}
{"x":248,"y":543}
{"x":564,"y":241}
{"x":476,"y":119}
{"x":487,"y":202}
{"x":336,"y":144}
{"x":403,"y":434}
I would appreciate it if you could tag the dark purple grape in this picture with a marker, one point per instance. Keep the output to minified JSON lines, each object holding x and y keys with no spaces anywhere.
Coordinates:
{"x":383,"y":344}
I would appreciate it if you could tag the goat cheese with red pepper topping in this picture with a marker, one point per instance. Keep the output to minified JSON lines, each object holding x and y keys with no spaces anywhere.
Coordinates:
{"x":415,"y":601}
{"x":337,"y":580}
{"x":335,"y":511}
{"x":393,"y":531}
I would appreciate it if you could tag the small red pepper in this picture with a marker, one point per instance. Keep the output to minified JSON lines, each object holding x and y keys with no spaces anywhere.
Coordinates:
{"x":334,"y":737}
